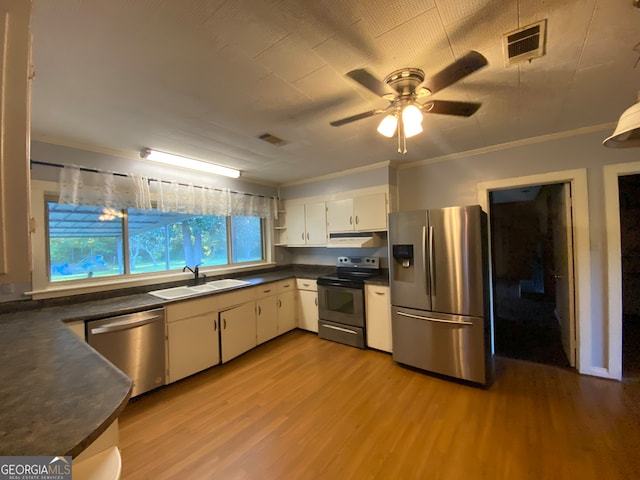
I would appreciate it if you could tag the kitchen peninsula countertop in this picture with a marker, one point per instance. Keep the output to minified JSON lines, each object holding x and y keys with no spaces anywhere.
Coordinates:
{"x":58,"y":394}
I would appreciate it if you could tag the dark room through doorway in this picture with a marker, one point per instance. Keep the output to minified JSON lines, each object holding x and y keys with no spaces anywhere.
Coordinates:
{"x":629,"y":191}
{"x":532,"y":263}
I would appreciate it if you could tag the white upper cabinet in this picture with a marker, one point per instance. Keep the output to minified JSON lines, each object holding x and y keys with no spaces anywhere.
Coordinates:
{"x":306,"y":223}
{"x":366,"y":213}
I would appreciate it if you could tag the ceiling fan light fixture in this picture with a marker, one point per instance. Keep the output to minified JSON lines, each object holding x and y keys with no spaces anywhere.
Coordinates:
{"x":411,"y":120}
{"x":388,"y":125}
{"x":627,"y":132}
{"x":189,"y":163}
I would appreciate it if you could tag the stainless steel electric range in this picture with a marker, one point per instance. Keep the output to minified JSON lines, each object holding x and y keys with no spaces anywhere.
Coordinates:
{"x":341,"y":300}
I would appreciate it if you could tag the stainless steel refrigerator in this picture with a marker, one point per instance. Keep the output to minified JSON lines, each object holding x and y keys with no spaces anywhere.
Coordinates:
{"x":438,"y":274}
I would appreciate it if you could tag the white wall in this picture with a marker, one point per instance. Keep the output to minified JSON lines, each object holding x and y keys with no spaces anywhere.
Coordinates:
{"x":341,"y":182}
{"x":454,"y":181}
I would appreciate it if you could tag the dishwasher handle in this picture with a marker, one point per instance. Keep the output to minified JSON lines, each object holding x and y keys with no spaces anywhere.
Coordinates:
{"x":126,"y":323}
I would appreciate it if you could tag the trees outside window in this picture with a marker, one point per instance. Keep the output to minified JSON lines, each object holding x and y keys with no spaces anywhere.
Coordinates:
{"x":89,"y":241}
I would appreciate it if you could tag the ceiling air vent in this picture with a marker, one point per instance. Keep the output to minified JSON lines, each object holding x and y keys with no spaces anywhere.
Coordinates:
{"x":272,"y":139}
{"x":525,"y":43}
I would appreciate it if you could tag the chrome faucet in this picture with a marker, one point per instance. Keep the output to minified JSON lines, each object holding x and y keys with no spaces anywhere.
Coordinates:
{"x":195,"y":271}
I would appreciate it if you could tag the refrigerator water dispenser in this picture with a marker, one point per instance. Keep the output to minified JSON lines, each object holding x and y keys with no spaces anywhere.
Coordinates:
{"x":403,"y":255}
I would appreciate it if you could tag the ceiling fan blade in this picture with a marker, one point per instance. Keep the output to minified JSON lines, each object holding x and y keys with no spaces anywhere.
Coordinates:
{"x":447,"y":107}
{"x":459,"y":69}
{"x":368,"y":81}
{"x":353,"y":118}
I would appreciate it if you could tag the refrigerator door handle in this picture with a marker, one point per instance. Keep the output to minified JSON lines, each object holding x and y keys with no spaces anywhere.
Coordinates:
{"x":430,"y":319}
{"x":424,"y":258}
{"x":432,"y":273}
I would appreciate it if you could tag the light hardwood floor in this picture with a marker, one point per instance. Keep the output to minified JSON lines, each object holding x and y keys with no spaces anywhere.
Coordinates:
{"x":304,"y":408}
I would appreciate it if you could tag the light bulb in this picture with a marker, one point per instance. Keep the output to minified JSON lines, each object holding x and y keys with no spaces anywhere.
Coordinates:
{"x":388,"y":126}
{"x":412,"y":120}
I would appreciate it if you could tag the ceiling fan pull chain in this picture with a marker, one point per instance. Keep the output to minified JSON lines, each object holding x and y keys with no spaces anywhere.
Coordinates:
{"x":399,"y":141}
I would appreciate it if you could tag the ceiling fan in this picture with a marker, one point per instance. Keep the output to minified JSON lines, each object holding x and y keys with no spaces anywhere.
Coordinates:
{"x":406,"y":90}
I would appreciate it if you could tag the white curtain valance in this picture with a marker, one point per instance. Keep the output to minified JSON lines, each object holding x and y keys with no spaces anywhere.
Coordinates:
{"x":79,"y":187}
{"x":177,"y":197}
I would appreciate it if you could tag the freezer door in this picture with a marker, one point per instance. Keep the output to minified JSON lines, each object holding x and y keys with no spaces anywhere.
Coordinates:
{"x":455,"y":245}
{"x":408,"y":263}
{"x":451,"y":345}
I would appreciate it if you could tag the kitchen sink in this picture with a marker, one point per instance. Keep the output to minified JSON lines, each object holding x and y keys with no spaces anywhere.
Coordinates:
{"x":180,"y":292}
{"x":204,"y":288}
{"x":227,"y":283}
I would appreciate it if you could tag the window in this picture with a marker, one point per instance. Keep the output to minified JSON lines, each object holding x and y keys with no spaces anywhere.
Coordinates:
{"x":91,"y":241}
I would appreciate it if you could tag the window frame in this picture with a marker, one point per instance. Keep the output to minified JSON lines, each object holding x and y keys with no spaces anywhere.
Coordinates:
{"x":42,"y":287}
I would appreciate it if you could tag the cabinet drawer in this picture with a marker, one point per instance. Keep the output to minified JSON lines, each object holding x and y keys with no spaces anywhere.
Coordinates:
{"x":266,"y":290}
{"x":190,"y":308}
{"x":286,"y":285}
{"x":306,"y":284}
{"x":243,"y":295}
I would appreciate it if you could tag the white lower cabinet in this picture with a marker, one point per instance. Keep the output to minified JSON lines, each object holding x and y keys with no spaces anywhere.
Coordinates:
{"x":77,"y":327}
{"x":287,"y":312}
{"x":192,"y":337}
{"x":267,"y":313}
{"x":287,"y":318}
{"x":238,"y":330}
{"x":378,"y":309}
{"x":307,"y":304}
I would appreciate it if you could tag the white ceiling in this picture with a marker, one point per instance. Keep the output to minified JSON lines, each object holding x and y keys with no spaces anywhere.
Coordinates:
{"x":204,"y":78}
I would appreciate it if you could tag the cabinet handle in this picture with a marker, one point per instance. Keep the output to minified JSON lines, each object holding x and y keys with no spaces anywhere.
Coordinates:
{"x":259,"y":310}
{"x":316,"y":301}
{"x":306,"y":284}
{"x":215,"y":325}
{"x":225,"y":323}
{"x":266,"y":291}
{"x":302,"y":235}
{"x":279,"y":303}
{"x":350,"y":220}
{"x":357,"y":219}
{"x":307,"y":235}
{"x":379,"y":293}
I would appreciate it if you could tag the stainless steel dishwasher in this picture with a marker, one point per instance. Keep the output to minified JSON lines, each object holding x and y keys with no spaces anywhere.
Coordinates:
{"x":135,"y":343}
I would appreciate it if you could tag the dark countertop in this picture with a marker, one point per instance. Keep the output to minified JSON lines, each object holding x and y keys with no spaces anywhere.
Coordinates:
{"x":57,"y":394}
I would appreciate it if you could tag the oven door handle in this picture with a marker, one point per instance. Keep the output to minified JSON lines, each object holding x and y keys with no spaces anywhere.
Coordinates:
{"x":333,"y":284}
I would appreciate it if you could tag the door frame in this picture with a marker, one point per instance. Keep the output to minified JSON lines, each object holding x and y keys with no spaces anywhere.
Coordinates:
{"x":614,"y":261}
{"x":581,"y":251}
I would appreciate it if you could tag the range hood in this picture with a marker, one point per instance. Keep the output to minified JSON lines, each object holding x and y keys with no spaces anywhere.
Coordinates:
{"x":354,"y":240}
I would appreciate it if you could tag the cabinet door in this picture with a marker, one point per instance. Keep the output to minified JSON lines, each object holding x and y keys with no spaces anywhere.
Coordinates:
{"x":370,"y":212}
{"x":316,"y":223}
{"x":308,"y":310}
{"x":192,"y":345}
{"x":77,"y":327}
{"x":378,"y":310}
{"x":296,"y":233}
{"x":340,"y":215}
{"x":286,"y":312}
{"x":238,"y":330}
{"x":266,"y":318}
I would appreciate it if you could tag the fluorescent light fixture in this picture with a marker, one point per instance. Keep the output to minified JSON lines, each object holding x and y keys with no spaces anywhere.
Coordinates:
{"x":388,"y":126}
{"x":412,"y":120}
{"x":190,"y":163}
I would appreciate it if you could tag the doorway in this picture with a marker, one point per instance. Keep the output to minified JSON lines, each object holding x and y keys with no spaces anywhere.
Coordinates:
{"x":532,"y":264}
{"x":629,"y":195}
